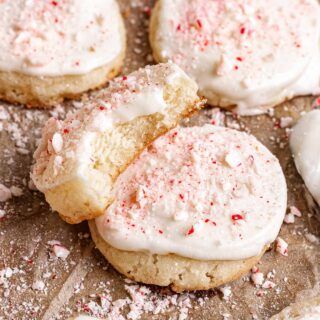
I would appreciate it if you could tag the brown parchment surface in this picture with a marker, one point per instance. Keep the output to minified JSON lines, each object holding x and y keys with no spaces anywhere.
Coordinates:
{"x":29,"y":224}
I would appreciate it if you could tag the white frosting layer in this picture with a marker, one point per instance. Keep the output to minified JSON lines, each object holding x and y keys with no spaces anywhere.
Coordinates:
{"x":70,"y":148}
{"x":305,"y":146}
{"x":206,"y":193}
{"x":251,"y":54}
{"x":54,"y":38}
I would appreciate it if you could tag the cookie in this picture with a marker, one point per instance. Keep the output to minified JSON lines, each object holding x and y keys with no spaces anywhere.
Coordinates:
{"x":306,"y":310}
{"x":252,"y":56}
{"x":305,"y":146}
{"x":79,"y":159}
{"x":178,"y":272}
{"x":51,"y":50}
{"x":194,"y":211}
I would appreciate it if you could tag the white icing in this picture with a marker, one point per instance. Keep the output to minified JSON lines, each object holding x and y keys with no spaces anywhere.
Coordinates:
{"x":305,"y":146}
{"x":181,"y":196}
{"x":147,"y":102}
{"x":253,"y":55}
{"x":54,"y":38}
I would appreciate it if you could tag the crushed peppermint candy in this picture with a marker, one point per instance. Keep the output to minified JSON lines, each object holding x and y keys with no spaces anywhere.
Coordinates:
{"x":295,"y":211}
{"x":285,"y":122}
{"x":38,"y":285}
{"x":282,"y":247}
{"x":226,"y":291}
{"x":289,"y":218}
{"x":16,"y":191}
{"x":57,"y":142}
{"x":59,"y":250}
{"x":268,"y":284}
{"x":2,"y":213}
{"x":257,"y":277}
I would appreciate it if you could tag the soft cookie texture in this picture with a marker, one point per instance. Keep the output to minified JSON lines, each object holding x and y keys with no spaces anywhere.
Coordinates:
{"x":306,"y":310}
{"x":196,"y":209}
{"x":251,"y":55}
{"x":79,"y":159}
{"x":51,"y":50}
{"x":180,"y":273}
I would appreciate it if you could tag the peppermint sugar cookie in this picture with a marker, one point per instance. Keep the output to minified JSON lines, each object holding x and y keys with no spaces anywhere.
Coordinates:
{"x":305,"y":146}
{"x":79,"y":159}
{"x":196,"y":210}
{"x":251,"y":55}
{"x":306,"y":310}
{"x":51,"y":50}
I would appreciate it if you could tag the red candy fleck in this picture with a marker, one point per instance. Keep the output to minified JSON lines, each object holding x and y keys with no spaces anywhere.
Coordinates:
{"x":147,"y":11}
{"x":251,"y":159}
{"x":190,"y":231}
{"x":54,"y":3}
{"x":66,"y":131}
{"x":174,"y":134}
{"x":242,"y":30}
{"x":212,"y":222}
{"x":160,"y":231}
{"x":236,"y":217}
{"x":239,"y":59}
{"x":124,"y":78}
{"x":181,"y":196}
{"x":199,"y":23}
{"x":179,"y":27}
{"x":102,"y":108}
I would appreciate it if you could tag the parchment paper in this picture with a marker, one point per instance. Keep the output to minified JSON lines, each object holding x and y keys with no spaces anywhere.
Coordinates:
{"x":35,"y":284}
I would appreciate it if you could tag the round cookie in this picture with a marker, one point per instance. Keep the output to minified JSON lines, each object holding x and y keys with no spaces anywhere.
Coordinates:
{"x":306,"y":310}
{"x":51,"y":50}
{"x":252,"y":56}
{"x":194,"y":211}
{"x":180,"y":273}
{"x":79,"y":159}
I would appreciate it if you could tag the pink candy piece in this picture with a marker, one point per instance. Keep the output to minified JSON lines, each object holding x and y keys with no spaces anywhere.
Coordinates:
{"x":60,"y":251}
{"x":281,"y":246}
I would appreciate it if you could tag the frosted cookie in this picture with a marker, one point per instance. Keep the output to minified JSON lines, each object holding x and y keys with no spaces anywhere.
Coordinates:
{"x":307,"y":310}
{"x":195,"y":210}
{"x":305,"y":146}
{"x":251,"y":55}
{"x":51,"y":50}
{"x":79,"y":159}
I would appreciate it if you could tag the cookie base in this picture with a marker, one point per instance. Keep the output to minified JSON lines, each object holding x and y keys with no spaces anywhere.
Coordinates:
{"x":180,"y":273}
{"x":45,"y":91}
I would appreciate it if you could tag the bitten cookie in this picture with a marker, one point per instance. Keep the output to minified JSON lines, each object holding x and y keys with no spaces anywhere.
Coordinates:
{"x":79,"y":159}
{"x":194,"y":211}
{"x":51,"y":50}
{"x":307,"y":310}
{"x":251,"y":55}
